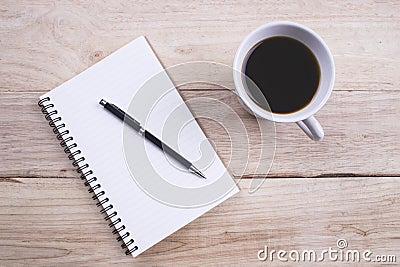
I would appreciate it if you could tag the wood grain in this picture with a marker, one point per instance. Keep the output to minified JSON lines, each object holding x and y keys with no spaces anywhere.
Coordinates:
{"x":47,"y":42}
{"x":46,"y":216}
{"x":48,"y":221}
{"x":362,"y":130}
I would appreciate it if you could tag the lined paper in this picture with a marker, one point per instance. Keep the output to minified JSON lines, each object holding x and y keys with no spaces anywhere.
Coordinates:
{"x":106,"y":143}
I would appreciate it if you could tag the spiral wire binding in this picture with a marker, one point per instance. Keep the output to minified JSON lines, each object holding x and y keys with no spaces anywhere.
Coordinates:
{"x":48,"y":109}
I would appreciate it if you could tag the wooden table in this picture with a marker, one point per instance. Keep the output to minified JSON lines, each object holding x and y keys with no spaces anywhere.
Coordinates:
{"x":346,"y":186}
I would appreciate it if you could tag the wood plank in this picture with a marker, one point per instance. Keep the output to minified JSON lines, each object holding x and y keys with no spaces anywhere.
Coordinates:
{"x":55,"y":222}
{"x":45,"y":43}
{"x":362,"y":130}
{"x":51,"y":219}
{"x":361,"y":138}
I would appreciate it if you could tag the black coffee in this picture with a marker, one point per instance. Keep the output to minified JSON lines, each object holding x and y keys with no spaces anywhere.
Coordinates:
{"x":286,"y":72}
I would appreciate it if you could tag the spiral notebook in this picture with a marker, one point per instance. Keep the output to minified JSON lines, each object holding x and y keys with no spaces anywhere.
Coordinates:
{"x":94,"y":141}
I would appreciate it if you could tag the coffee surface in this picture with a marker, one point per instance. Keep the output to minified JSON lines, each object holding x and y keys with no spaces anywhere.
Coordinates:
{"x":286,"y":73}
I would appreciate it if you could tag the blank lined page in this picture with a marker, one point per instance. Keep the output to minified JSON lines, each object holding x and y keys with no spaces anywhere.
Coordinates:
{"x":117,"y":154}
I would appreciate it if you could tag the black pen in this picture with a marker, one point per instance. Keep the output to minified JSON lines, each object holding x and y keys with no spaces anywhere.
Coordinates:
{"x":136,"y":126}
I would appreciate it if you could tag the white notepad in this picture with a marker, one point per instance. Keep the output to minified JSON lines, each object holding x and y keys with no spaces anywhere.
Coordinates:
{"x":95,"y":140}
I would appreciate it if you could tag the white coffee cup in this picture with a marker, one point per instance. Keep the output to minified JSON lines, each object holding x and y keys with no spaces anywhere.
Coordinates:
{"x":303,"y":117}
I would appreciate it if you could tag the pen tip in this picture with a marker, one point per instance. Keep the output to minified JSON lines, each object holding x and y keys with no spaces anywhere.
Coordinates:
{"x":197,"y":172}
{"x":201,"y":175}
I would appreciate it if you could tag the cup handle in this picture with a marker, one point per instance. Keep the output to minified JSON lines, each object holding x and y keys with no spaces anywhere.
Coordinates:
{"x":312,"y":128}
